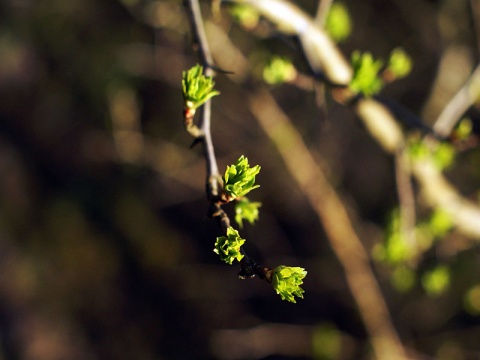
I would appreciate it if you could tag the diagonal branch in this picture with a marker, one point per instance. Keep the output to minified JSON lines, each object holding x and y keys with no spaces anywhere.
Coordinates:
{"x":313,"y":182}
{"x":463,"y":99}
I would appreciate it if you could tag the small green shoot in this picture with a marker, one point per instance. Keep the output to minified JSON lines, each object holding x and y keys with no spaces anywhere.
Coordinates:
{"x":228,"y":247}
{"x":366,"y":79}
{"x":239,"y":178}
{"x":286,"y":281}
{"x":197,"y":88}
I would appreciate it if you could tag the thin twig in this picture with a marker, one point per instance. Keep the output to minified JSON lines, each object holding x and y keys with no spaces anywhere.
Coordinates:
{"x":200,"y":38}
{"x":406,"y":198}
{"x":459,"y":104}
{"x":322,"y":11}
{"x":248,"y":267}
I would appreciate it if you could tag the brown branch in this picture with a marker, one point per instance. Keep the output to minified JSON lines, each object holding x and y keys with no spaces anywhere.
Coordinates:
{"x":200,"y":38}
{"x":332,"y":213}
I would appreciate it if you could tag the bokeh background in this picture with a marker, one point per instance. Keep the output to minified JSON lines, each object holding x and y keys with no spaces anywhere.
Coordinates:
{"x":105,"y":251}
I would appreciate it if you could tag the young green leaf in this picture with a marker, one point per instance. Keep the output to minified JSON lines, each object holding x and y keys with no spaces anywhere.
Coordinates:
{"x":338,"y":23}
{"x":286,"y":281}
{"x":239,"y":178}
{"x":246,"y":210}
{"x":365,"y":79}
{"x":228,"y":247}
{"x":279,"y":70}
{"x":197,"y":88}
{"x":399,"y":64}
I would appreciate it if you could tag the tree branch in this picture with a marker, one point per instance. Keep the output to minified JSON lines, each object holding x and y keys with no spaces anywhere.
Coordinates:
{"x":248,"y":267}
{"x":459,"y":104}
{"x":312,"y":181}
{"x":200,"y":39}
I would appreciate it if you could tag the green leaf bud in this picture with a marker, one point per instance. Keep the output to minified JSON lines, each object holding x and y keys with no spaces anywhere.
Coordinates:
{"x":365,"y":79}
{"x":228,"y":247}
{"x":239,"y":178}
{"x":286,"y":281}
{"x":197,"y":88}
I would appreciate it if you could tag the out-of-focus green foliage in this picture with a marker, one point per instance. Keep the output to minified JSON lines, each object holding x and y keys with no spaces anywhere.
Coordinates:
{"x":442,"y":153}
{"x":338,"y":23}
{"x":401,"y":255}
{"x":439,"y":223}
{"x":394,"y":250}
{"x":279,"y":70}
{"x":228,"y":247}
{"x":403,"y":278}
{"x":471,"y":300}
{"x":327,"y":342}
{"x":245,"y":15}
{"x":246,"y":210}
{"x":400,"y":63}
{"x":436,"y":281}
{"x":463,"y":129}
{"x":366,"y":79}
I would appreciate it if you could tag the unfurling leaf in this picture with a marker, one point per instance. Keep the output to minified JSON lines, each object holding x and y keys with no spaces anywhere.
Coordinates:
{"x":197,"y":88}
{"x":239,"y":178}
{"x":286,"y":281}
{"x":366,"y":79}
{"x":228,"y":247}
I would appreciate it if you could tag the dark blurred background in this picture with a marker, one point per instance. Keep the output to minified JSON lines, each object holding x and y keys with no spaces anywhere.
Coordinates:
{"x":105,"y":252}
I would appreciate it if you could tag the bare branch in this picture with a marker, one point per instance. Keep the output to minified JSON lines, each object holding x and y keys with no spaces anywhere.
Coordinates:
{"x":200,"y":38}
